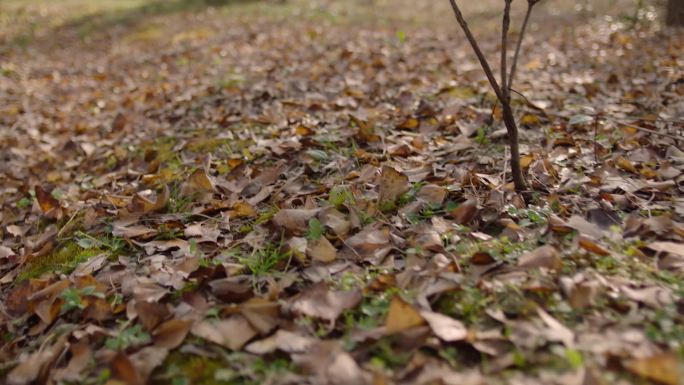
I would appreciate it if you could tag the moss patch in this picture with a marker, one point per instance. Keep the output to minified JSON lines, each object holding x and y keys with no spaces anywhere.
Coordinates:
{"x":196,"y":370}
{"x":64,"y":259}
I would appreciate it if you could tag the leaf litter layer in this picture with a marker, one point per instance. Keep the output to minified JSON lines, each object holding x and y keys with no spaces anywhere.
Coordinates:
{"x":212,"y":199}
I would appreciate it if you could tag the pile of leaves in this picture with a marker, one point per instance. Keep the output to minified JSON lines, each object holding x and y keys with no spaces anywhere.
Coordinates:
{"x":257,"y":201}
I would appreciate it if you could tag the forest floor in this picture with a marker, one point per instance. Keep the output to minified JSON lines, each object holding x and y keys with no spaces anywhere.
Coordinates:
{"x":290,"y":192}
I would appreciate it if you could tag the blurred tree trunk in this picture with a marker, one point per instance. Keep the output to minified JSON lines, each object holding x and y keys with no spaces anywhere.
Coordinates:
{"x":675,"y":12}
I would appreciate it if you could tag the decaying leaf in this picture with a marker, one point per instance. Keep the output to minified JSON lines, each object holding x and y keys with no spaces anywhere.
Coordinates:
{"x":295,"y":220}
{"x":392,"y":184}
{"x":321,"y":250}
{"x":171,"y":334}
{"x":445,"y":327}
{"x":544,"y":256}
{"x":402,"y":316}
{"x":231,"y":333}
{"x":664,"y":368}
{"x":321,"y":302}
{"x":465,"y":212}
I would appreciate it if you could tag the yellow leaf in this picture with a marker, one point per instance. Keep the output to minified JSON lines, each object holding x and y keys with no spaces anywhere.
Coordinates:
{"x":530,"y":120}
{"x":199,"y":181}
{"x":402,"y":316}
{"x":626,"y":165}
{"x":663,"y":368}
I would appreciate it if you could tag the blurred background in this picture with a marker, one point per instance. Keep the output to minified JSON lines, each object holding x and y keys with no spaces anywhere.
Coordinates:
{"x":23,"y":22}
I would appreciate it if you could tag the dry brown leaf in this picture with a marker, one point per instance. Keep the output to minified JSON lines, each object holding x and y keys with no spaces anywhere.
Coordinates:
{"x":444,"y":327}
{"x":81,"y":356}
{"x":142,"y":205}
{"x":30,"y":369}
{"x":295,"y":220}
{"x":243,"y":209}
{"x":48,"y":204}
{"x":591,"y":246}
{"x":585,"y":227}
{"x":232,"y":289}
{"x":148,"y":359}
{"x":151,"y":314}
{"x":665,"y":368}
{"x":231,"y":333}
{"x":171,"y":334}
{"x":331,"y":364}
{"x":283,"y":340}
{"x":200,"y":182}
{"x":392,"y":184}
{"x":320,"y":302}
{"x":668,"y":247}
{"x":465,"y":212}
{"x":122,"y":369}
{"x":432,"y":194}
{"x":545,"y":256}
{"x":626,"y":165}
{"x":321,"y":250}
{"x":402,"y":316}
{"x":369,"y":240}
{"x":262,"y":314}
{"x":336,"y":221}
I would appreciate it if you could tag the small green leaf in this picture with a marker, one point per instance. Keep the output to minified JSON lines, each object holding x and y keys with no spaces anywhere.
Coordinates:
{"x":318,"y":155}
{"x":86,"y":243}
{"x":72,"y":300}
{"x":574,"y":358}
{"x":315,"y":229}
{"x":24,"y":203}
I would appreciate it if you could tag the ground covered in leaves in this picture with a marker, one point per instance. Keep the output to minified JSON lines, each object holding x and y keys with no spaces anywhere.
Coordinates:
{"x":312,"y":192}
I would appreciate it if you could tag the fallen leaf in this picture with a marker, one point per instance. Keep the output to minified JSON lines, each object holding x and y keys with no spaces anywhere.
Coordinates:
{"x":664,"y":368}
{"x":465,"y":212}
{"x":200,"y":182}
{"x":320,"y":302}
{"x":392,"y":184}
{"x":444,"y":327}
{"x":544,"y":256}
{"x":321,"y":250}
{"x":122,"y":369}
{"x":171,"y":334}
{"x":668,"y":247}
{"x":402,"y":316}
{"x":148,"y":359}
{"x":591,"y":246}
{"x":48,"y":204}
{"x":295,"y":220}
{"x":231,"y":333}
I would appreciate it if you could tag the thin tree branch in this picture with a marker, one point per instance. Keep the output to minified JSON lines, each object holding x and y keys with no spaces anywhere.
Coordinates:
{"x":514,"y":66}
{"x":476,"y":47}
{"x":505,"y":26}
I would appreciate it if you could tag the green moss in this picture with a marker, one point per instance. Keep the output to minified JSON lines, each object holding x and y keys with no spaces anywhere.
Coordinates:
{"x":207,"y":144}
{"x":64,"y":259}
{"x":187,"y":369}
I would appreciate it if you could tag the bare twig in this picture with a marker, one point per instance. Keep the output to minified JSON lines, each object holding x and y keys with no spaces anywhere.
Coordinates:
{"x":476,"y":47}
{"x":502,"y":94}
{"x":644,"y":129}
{"x":514,"y":66}
{"x":505,"y":26}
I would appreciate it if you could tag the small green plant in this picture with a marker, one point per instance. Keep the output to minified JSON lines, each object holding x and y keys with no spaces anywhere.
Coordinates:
{"x":339,"y":196}
{"x":72,"y":300}
{"x":24,"y":203}
{"x":132,"y":336}
{"x":113,"y":244}
{"x":481,"y":137}
{"x":531,"y":216}
{"x":263,"y":261}
{"x":316,"y":229}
